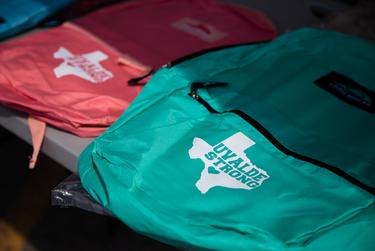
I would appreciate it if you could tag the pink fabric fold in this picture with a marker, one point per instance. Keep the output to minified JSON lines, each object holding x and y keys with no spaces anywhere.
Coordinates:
{"x":37,"y":130}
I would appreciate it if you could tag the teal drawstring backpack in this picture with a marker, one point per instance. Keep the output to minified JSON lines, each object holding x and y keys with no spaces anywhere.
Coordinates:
{"x":255,"y":147}
{"x":19,"y":15}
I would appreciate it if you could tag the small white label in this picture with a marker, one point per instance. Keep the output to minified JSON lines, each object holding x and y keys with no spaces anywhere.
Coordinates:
{"x":199,"y":29}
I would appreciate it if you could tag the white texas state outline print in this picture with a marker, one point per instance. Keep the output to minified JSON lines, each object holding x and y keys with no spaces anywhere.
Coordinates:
{"x":86,"y":66}
{"x":226,"y":164}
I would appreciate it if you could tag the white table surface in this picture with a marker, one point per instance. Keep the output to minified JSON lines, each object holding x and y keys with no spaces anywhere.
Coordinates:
{"x":60,"y":146}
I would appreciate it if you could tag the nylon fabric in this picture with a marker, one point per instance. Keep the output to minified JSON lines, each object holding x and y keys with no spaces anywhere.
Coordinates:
{"x":80,"y":89}
{"x":158,"y":31}
{"x":20,"y":15}
{"x":171,"y":169}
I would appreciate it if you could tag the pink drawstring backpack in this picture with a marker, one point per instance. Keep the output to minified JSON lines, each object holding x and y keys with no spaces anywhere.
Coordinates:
{"x":74,"y":80}
{"x":158,"y":31}
{"x":67,"y":78}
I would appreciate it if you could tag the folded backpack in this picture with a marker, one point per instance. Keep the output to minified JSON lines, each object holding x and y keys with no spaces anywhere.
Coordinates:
{"x":255,"y":147}
{"x":158,"y":31}
{"x":68,"y":78}
{"x":19,"y":15}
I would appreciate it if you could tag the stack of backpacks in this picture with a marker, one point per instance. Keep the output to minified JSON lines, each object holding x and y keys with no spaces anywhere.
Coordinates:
{"x":76,"y":76}
{"x":218,"y":138}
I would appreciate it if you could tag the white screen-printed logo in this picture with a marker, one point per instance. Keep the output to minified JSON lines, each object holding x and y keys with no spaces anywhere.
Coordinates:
{"x":226,"y":164}
{"x":200,"y":29}
{"x":86,"y":66}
